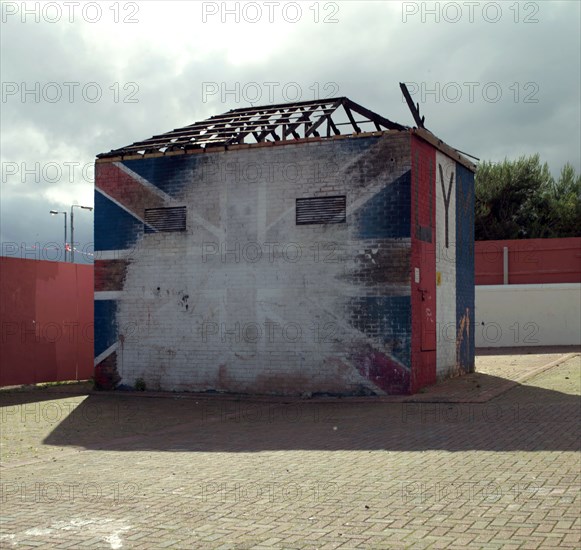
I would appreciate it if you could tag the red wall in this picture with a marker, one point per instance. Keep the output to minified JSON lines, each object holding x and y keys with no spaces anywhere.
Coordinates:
{"x":46,"y":321}
{"x":529,"y":261}
{"x":423,"y":257}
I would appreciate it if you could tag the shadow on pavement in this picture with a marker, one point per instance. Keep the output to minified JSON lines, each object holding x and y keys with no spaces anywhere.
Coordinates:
{"x":9,"y":398}
{"x":527,"y":418}
{"x":528,"y":350}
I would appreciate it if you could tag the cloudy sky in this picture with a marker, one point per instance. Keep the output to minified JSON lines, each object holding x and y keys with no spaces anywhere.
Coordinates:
{"x":494,"y":79}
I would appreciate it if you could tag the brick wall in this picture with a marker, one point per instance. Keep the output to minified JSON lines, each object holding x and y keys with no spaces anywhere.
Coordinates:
{"x":465,"y":296}
{"x":423,"y":284}
{"x":445,"y":264}
{"x":442,"y":266}
{"x":245,"y":300}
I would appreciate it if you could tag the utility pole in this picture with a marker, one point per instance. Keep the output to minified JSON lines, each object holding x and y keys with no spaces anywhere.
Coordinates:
{"x":73,"y":230}
{"x":54,"y":213}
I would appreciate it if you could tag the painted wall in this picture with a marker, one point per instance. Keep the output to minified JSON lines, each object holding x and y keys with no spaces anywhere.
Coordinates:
{"x":445,"y":264}
{"x":528,"y":315}
{"x":46,"y":318}
{"x":465,"y":294}
{"x":443,"y":252}
{"x":530,"y":261}
{"x":246,"y":300}
{"x":424,"y":327}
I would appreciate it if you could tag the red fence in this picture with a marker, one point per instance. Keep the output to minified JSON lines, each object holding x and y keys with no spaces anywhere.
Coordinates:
{"x":530,"y":261}
{"x":46,"y":321}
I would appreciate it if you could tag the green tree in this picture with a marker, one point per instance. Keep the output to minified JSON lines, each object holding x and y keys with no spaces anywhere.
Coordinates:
{"x":521,"y":200}
{"x":565,"y":204}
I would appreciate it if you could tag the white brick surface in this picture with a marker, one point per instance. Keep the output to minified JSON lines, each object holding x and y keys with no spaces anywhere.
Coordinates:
{"x":446,"y":265}
{"x":202,"y":310}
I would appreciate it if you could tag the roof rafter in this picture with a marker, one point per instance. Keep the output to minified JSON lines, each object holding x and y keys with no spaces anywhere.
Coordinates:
{"x":282,"y":122}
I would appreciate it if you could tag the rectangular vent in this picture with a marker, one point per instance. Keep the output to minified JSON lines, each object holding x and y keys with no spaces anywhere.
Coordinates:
{"x":321,"y":210}
{"x":165,"y":219}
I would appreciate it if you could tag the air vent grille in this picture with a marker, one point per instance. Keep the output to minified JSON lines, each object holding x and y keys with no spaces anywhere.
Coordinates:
{"x":322,"y":210}
{"x":165,"y":219}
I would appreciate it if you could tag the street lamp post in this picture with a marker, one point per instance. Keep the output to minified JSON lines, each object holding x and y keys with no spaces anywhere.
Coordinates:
{"x":54,"y":213}
{"x":72,"y":229}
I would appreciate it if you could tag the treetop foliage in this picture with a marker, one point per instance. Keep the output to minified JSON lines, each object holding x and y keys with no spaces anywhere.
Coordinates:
{"x":520,"y":199}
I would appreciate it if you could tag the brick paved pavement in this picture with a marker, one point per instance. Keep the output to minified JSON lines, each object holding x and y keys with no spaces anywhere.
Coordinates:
{"x":112,"y":471}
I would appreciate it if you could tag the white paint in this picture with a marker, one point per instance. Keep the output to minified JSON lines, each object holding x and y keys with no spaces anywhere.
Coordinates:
{"x":114,"y":540}
{"x":114,"y":254}
{"x":123,"y":207}
{"x":446,"y":265}
{"x":106,"y":353}
{"x":528,"y":315}
{"x":74,"y":524}
{"x":505,"y":265}
{"x":149,"y":186}
{"x":108,"y":295}
{"x":38,"y":532}
{"x":108,"y":529}
{"x":167,"y":348}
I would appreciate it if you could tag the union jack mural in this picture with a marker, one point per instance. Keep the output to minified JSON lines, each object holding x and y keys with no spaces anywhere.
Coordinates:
{"x":243,"y":298}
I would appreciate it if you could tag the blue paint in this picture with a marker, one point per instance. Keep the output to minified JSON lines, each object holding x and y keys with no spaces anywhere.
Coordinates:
{"x":105,"y":325}
{"x":171,"y":174}
{"x":353,"y":146}
{"x":115,"y":228}
{"x":387,"y":318}
{"x":387,"y":215}
{"x":465,"y":264}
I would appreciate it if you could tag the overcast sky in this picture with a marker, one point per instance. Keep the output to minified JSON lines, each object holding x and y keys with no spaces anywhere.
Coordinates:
{"x":494,"y":79}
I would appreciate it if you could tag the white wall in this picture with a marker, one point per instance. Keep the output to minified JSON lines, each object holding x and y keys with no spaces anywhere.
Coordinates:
{"x":445,"y":262}
{"x":528,"y":315}
{"x":240,"y":301}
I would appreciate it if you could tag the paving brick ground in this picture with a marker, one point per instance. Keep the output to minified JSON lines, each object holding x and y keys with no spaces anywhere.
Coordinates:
{"x":116,"y":471}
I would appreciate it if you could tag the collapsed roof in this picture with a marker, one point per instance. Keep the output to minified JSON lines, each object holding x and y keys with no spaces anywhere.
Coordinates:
{"x":269,"y":123}
{"x":323,"y":118}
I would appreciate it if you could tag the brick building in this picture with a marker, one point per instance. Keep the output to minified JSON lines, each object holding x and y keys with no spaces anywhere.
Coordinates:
{"x":306,"y":248}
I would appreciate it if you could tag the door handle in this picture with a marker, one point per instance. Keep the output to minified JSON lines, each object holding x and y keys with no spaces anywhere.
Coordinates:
{"x":424,"y":292}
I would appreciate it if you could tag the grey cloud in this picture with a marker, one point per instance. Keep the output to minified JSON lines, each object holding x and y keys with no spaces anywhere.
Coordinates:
{"x":366,"y":54}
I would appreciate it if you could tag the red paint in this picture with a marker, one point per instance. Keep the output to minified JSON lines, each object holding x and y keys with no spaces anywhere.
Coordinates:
{"x":125,"y":189}
{"x":106,"y":375}
{"x":530,"y":261}
{"x":423,"y":257}
{"x":46,"y":321}
{"x":109,"y":274}
{"x":383,"y":371}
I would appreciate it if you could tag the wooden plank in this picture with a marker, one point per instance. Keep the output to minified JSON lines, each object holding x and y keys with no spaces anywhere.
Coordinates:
{"x":356,"y":128}
{"x":373,"y":116}
{"x":426,"y":135}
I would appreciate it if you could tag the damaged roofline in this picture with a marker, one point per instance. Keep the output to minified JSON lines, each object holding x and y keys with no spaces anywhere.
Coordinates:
{"x":421,"y":133}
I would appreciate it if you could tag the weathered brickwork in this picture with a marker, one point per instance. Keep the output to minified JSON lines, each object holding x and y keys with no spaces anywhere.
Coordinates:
{"x":246,"y":300}
{"x":445,"y":235}
{"x":442,"y":251}
{"x":465,"y":327}
{"x":423,"y":280}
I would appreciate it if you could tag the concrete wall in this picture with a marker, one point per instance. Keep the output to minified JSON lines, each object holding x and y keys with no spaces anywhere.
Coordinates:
{"x":46,"y":319}
{"x":528,"y":315}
